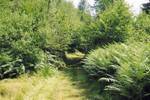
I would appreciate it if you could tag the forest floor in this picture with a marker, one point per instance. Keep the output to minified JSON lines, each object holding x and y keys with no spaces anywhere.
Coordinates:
{"x":69,"y":84}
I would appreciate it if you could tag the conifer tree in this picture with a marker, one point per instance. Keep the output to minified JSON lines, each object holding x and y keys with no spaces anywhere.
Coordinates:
{"x":101,"y":5}
{"x":146,"y":7}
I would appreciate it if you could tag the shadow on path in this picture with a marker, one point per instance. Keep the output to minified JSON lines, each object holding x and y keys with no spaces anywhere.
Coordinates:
{"x":80,"y":79}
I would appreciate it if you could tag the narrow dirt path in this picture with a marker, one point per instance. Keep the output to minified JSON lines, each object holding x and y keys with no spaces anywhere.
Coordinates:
{"x":59,"y":87}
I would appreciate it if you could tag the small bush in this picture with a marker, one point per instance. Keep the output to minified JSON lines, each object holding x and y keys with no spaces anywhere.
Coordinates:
{"x":104,"y":60}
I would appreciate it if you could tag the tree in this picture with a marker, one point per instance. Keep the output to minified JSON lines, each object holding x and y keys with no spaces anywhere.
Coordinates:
{"x":101,"y":5}
{"x":112,"y":25}
{"x":82,"y":5}
{"x":29,"y":28}
{"x":84,"y":10}
{"x":146,"y":7}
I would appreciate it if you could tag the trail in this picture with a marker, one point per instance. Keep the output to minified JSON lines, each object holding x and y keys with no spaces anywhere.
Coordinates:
{"x":66,"y":85}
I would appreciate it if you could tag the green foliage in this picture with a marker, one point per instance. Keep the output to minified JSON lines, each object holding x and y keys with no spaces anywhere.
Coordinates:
{"x":112,"y":25}
{"x":60,"y":25}
{"x":102,"y":5}
{"x":124,"y":68}
{"x":82,"y":5}
{"x":142,"y":23}
{"x":16,"y":44}
{"x":28,"y":29}
{"x":141,"y":29}
{"x":36,"y":36}
{"x":133,"y":74}
{"x":146,"y":7}
{"x":104,"y":60}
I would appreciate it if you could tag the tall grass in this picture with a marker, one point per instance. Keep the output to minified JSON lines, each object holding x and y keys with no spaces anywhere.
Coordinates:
{"x":38,"y":87}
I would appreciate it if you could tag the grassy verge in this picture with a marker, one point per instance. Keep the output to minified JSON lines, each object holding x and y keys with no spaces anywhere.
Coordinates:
{"x":69,"y":84}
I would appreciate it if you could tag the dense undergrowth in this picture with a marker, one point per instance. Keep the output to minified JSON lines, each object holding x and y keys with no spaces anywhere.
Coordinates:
{"x":121,"y":69}
{"x":44,"y":36}
{"x":27,"y":32}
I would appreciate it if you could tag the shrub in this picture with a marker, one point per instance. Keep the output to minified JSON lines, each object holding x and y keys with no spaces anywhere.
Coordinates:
{"x":141,"y":28}
{"x":18,"y":54}
{"x":132,"y":80}
{"x":28,"y":29}
{"x":59,"y":26}
{"x":112,"y":25}
{"x":142,"y":23}
{"x":122,"y":69}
